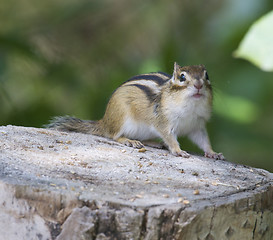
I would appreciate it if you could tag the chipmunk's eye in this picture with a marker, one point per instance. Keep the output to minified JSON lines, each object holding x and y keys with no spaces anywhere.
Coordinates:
{"x":182,"y":77}
{"x":207,"y":76}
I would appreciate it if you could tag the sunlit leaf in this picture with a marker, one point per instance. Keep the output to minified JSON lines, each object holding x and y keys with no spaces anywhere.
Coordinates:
{"x":257,"y":45}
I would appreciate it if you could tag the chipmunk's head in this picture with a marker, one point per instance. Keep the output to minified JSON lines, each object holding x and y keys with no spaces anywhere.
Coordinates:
{"x":193,"y":81}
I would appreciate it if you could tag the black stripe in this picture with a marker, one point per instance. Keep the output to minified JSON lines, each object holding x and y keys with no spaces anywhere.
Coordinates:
{"x":159,"y":80}
{"x":148,"y":92}
{"x":166,"y":75}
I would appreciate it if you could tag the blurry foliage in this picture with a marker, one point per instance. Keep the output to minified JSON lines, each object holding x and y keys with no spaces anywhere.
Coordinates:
{"x":61,"y":57}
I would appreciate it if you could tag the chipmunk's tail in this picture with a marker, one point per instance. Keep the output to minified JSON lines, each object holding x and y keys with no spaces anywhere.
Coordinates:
{"x":71,"y":124}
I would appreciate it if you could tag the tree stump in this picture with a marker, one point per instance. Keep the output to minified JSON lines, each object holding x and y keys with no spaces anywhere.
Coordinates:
{"x":57,"y":185}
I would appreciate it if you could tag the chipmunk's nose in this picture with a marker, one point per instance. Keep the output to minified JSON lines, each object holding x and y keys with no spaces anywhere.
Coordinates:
{"x":198,"y":85}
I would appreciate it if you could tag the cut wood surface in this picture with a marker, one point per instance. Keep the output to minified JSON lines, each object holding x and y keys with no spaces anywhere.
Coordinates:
{"x":57,"y":185}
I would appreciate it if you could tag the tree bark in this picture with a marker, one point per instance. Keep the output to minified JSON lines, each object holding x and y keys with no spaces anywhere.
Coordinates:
{"x":57,"y":185}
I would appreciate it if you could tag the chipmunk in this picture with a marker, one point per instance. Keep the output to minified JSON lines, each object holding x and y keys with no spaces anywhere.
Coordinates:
{"x":155,"y":105}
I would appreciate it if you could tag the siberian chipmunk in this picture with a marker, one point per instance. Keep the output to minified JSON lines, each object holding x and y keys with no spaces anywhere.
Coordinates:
{"x":155,"y":105}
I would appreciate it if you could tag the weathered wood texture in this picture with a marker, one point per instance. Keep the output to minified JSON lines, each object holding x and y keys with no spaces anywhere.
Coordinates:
{"x":57,"y":185}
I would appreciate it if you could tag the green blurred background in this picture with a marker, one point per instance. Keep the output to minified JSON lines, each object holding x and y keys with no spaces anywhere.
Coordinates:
{"x":65,"y":57}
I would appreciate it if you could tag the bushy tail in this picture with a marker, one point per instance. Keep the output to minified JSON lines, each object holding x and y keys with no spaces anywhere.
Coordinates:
{"x":71,"y":124}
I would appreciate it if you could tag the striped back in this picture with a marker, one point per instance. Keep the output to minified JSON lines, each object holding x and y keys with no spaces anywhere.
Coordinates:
{"x":150,"y":83}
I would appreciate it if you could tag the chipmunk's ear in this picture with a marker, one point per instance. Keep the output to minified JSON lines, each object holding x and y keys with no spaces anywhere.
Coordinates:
{"x":175,"y":72}
{"x":175,"y":67}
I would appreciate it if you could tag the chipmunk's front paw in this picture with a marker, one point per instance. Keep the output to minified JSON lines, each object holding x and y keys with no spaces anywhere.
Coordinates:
{"x":214,"y":155}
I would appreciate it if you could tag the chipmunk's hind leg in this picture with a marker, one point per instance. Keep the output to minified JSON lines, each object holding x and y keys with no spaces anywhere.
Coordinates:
{"x":130,"y":143}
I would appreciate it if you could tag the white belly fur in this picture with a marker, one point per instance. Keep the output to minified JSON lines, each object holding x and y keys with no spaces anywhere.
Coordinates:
{"x":138,"y":130}
{"x":183,"y":120}
{"x":188,"y":117}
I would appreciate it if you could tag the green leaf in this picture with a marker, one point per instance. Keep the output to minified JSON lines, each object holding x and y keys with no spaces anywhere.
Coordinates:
{"x":257,"y":45}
